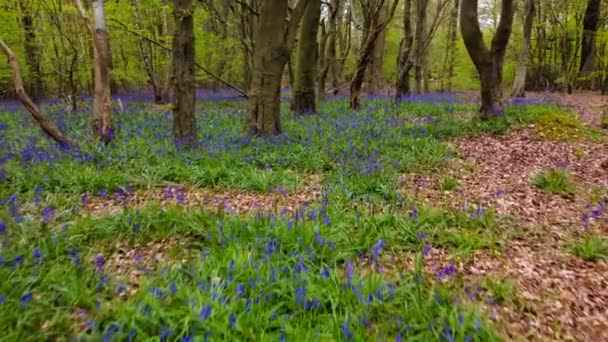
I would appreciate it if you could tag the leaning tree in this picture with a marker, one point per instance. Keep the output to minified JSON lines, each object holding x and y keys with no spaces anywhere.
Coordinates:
{"x":489,"y":62}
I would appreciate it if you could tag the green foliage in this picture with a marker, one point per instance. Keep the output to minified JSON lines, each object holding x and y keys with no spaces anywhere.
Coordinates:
{"x":560,"y":126}
{"x":449,"y":184}
{"x":501,"y":290}
{"x":556,"y":181}
{"x":592,"y":248}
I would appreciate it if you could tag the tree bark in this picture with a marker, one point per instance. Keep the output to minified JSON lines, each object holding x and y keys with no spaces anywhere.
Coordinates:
{"x":420,"y":43}
{"x":488,"y":62}
{"x":32,"y":51}
{"x":367,"y":49}
{"x":184,"y":87}
{"x":48,"y":128}
{"x":590,"y":26}
{"x":274,"y":37}
{"x":453,"y":38}
{"x":304,"y":101}
{"x":102,"y":101}
{"x":145,"y":52}
{"x":323,"y":61}
{"x":519,"y":84}
{"x":405,"y":60}
{"x":376,"y":66}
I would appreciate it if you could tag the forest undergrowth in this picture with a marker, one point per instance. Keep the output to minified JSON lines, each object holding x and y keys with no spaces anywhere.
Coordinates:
{"x":410,"y":221}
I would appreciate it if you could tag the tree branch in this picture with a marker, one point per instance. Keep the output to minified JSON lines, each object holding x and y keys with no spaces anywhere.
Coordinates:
{"x":125,"y":28}
{"x":48,"y":128}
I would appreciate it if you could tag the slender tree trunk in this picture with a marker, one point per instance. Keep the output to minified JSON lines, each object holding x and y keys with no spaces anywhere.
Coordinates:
{"x":274,"y":39}
{"x":590,"y":26}
{"x":419,"y":41}
{"x":375,"y":73}
{"x":488,"y":62}
{"x":48,"y":128}
{"x":405,"y":60}
{"x":519,"y":85}
{"x":145,"y":52}
{"x":367,"y":49}
{"x":323,"y":65}
{"x":304,"y":101}
{"x":102,"y":101}
{"x":184,"y":87}
{"x":32,"y":52}
{"x":344,"y":36}
{"x":452,"y":44}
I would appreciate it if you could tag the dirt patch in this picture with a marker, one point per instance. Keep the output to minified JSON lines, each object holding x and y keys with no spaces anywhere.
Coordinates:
{"x":231,"y":201}
{"x":496,"y":171}
{"x":129,"y":263}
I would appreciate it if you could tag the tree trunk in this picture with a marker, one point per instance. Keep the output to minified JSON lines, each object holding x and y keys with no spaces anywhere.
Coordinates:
{"x":323,"y":52}
{"x":488,"y":62}
{"x":519,"y":84}
{"x":404,"y":60}
{"x":184,"y":87}
{"x":420,"y":42}
{"x":451,"y":58}
{"x":274,"y":39}
{"x":303,"y":101}
{"x":27,"y":102}
{"x":367,"y":48}
{"x":145,"y":52}
{"x":32,"y":52}
{"x":102,"y":101}
{"x":375,"y":73}
{"x":590,"y":26}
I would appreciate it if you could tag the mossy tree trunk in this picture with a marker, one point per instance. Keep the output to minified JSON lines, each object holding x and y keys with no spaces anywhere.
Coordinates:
{"x":274,"y":37}
{"x":489,"y":62}
{"x":184,"y":87}
{"x":304,"y":99}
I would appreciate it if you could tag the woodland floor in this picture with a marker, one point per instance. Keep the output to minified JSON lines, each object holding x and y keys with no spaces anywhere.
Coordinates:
{"x":518,"y":267}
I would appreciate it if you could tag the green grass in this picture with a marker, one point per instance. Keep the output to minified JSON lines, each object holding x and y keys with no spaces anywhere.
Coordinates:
{"x":556,"y":181}
{"x":592,"y":248}
{"x":305,"y":276}
{"x":449,"y":184}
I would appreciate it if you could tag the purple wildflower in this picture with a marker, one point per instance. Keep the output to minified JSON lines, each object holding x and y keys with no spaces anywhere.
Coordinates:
{"x":47,"y":214}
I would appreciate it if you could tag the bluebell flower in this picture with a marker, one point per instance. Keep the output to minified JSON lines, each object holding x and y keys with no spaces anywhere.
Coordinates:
{"x":346,"y":332}
{"x":103,"y":193}
{"x":3,"y":227}
{"x":205,"y":312}
{"x":187,"y":338}
{"x":37,"y":255}
{"x":231,"y":320}
{"x":47,"y":214}
{"x":172,"y":288}
{"x":120,"y":289}
{"x":240,"y":290}
{"x":326,"y":220}
{"x":99,"y":262}
{"x":325,"y":273}
{"x":2,"y":299}
{"x":17,"y":261}
{"x":26,"y":298}
{"x":248,"y":305}
{"x":75,"y":257}
{"x":165,"y":333}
